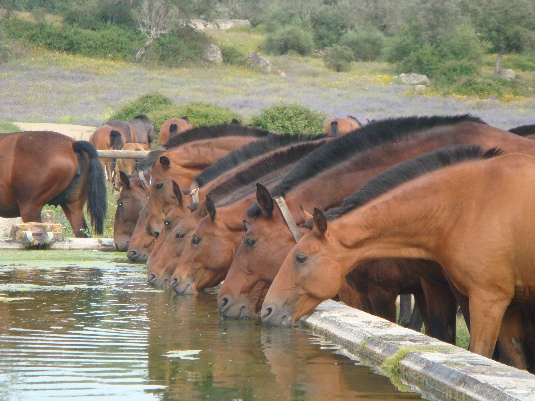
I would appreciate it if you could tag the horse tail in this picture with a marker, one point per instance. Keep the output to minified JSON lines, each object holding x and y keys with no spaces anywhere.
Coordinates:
{"x":357,"y":120}
{"x":116,"y":140}
{"x":335,"y":133}
{"x":173,"y":128}
{"x":95,"y":184}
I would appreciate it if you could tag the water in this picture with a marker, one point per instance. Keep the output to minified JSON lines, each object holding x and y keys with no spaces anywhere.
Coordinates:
{"x":85,"y":325}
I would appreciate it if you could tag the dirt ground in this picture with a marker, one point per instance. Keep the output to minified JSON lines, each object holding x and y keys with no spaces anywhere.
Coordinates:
{"x":77,"y":132}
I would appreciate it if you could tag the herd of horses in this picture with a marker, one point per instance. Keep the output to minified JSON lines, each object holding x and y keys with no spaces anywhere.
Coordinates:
{"x":438,"y":207}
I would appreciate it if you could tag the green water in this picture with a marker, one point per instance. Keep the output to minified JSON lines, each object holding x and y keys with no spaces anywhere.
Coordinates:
{"x":84,"y":325}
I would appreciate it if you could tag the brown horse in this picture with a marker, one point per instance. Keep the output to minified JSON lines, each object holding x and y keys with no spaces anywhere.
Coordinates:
{"x":341,"y":126}
{"x":128,"y":166}
{"x":188,"y":155}
{"x":230,"y":177}
{"x":461,"y":207}
{"x":172,"y":127}
{"x":138,"y":129}
{"x":133,"y":196}
{"x":41,"y":167}
{"x":141,"y":243}
{"x":105,"y":138}
{"x":394,"y":140}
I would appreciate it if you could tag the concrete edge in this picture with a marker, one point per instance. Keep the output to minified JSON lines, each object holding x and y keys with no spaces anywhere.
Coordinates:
{"x":102,"y":244}
{"x":435,"y":369}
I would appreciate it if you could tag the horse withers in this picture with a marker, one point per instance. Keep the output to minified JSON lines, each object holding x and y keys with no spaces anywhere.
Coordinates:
{"x":43,"y":167}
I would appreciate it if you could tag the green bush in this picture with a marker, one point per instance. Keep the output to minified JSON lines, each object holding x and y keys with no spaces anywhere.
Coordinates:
{"x":290,"y":39}
{"x":366,"y":45}
{"x":290,"y":118}
{"x":180,"y":48}
{"x":328,"y":25}
{"x":232,"y":55}
{"x":339,"y":58}
{"x":142,"y":105}
{"x":197,"y":112}
{"x":488,"y":85}
{"x":6,"y":126}
{"x":112,"y":42}
{"x":519,"y":62}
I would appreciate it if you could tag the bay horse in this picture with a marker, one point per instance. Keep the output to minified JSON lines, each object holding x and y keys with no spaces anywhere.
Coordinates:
{"x":106,"y":138}
{"x":461,"y":207}
{"x":133,"y":196}
{"x":138,"y":129}
{"x":43,"y":167}
{"x":128,"y":166}
{"x":341,"y":126}
{"x":372,"y":149}
{"x":141,"y":243}
{"x":187,"y":155}
{"x":250,"y":165}
{"x":172,"y":127}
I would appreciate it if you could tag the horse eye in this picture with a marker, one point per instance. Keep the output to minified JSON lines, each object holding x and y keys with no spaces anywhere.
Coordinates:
{"x":167,"y":223}
{"x":180,"y":235}
{"x":250,"y":241}
{"x":195,"y":240}
{"x":159,"y":185}
{"x":119,"y":204}
{"x":300,"y":258}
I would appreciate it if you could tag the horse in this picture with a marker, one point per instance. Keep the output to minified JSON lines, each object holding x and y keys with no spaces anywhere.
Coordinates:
{"x":138,"y":129}
{"x":105,"y":138}
{"x":233,"y":184}
{"x":462,"y":207}
{"x":128,"y":166}
{"x":187,"y":155}
{"x":341,"y":126}
{"x":366,"y":152}
{"x":172,"y":127}
{"x":141,"y":243}
{"x":43,"y":167}
{"x":133,"y":196}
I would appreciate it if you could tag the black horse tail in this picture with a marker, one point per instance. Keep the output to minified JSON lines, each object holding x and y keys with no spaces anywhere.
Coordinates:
{"x":116,"y":140}
{"x":96,"y":186}
{"x":335,"y":133}
{"x":173,"y":128}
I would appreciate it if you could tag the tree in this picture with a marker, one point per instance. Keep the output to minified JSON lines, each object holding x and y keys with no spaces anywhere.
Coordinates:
{"x":155,"y":18}
{"x":509,"y":25}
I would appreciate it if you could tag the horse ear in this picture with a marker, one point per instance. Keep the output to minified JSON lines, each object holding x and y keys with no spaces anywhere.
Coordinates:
{"x":165,"y":162}
{"x":124,"y":179}
{"x":305,"y":214}
{"x":210,"y":207}
{"x":320,"y":221}
{"x":246,"y":225}
{"x":264,"y":199}
{"x":176,"y":191}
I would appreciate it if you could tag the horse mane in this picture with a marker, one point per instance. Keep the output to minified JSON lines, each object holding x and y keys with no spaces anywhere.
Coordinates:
{"x":523,"y":130}
{"x":359,"y":141}
{"x":285,"y":156}
{"x":250,"y":151}
{"x":200,"y":133}
{"x":409,"y":170}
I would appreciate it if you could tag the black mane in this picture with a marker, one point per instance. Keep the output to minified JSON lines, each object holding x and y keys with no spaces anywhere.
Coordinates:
{"x":285,"y":157}
{"x":523,"y":130}
{"x":250,"y":151}
{"x":409,"y":170}
{"x":358,"y":141}
{"x":203,"y":132}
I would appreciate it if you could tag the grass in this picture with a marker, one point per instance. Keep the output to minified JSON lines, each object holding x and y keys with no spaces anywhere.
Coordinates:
{"x":6,"y":126}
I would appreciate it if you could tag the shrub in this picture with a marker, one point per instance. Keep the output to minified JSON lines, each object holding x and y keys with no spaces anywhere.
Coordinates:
{"x":142,"y":105}
{"x":290,"y":118}
{"x":197,"y":112}
{"x":328,"y":26}
{"x":488,"y":85}
{"x":290,"y":39}
{"x":339,"y":58}
{"x":232,"y":55}
{"x":519,"y":62}
{"x":366,"y":45}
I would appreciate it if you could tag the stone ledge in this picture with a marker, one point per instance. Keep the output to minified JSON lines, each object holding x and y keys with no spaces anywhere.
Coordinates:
{"x":102,"y":244}
{"x":435,"y":369}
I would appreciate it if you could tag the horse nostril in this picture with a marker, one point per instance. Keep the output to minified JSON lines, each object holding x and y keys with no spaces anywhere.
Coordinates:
{"x":152,"y":277}
{"x":156,"y":234}
{"x":173,"y":283}
{"x":267,"y":311}
{"x":131,"y":254}
{"x":224,"y":302}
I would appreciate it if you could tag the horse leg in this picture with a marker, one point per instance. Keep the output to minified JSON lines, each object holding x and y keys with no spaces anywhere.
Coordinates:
{"x":405,"y":309}
{"x":510,"y":339}
{"x":74,"y":212}
{"x":420,"y":313}
{"x":442,"y":309}
{"x":29,"y":212}
{"x":485,"y":319}
{"x":383,"y":304}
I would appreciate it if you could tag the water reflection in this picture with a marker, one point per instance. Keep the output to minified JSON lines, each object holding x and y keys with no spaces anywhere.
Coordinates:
{"x":94,"y":329}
